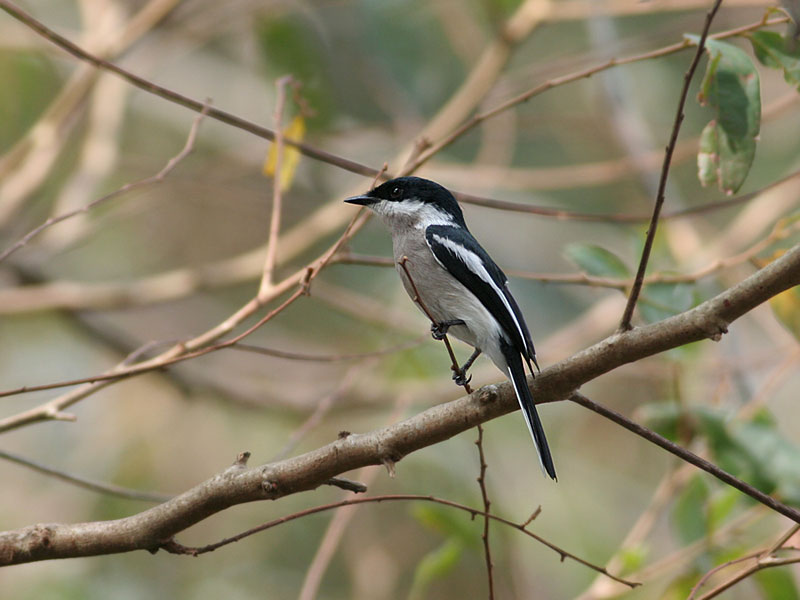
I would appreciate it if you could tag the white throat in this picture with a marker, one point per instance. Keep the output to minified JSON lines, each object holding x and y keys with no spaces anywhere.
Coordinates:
{"x":411,"y":213}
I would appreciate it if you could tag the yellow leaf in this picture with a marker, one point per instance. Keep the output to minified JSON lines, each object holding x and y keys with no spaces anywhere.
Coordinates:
{"x":290,"y":155}
{"x":785,"y":305}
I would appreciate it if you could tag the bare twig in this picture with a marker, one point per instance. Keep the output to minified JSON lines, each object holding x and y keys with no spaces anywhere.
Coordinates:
{"x":404,"y":265}
{"x":780,"y":231}
{"x":487,"y":550}
{"x":763,"y":559}
{"x":89,"y":484}
{"x":688,"y":456}
{"x":173,"y":96}
{"x":154,"y":179}
{"x":329,"y":357}
{"x":338,"y":523}
{"x":159,"y":363}
{"x":571,"y":215}
{"x":175,"y":548}
{"x":436,"y":147}
{"x":327,"y":157}
{"x":275,"y":219}
{"x":625,"y":323}
{"x":322,"y":408}
{"x":196,"y":347}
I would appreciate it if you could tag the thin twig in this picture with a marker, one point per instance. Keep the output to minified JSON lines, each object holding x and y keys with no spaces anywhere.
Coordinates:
{"x":198,"y":346}
{"x":758,"y":566}
{"x":572,"y":215}
{"x":625,"y":323}
{"x":780,"y":231}
{"x":487,"y":550}
{"x":83,"y":482}
{"x":764,"y":559}
{"x":322,"y":155}
{"x":404,"y":265}
{"x":435,"y":148}
{"x":275,"y":220}
{"x":340,"y":520}
{"x":173,"y":96}
{"x":709,"y":574}
{"x":175,"y":548}
{"x":329,"y":357}
{"x":157,"y":178}
{"x":687,"y":456}
{"x":323,"y":406}
{"x":138,"y":369}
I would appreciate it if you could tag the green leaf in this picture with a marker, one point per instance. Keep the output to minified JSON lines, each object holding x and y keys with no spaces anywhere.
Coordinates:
{"x":663,"y":418}
{"x":721,"y":506}
{"x":632,"y":559}
{"x":680,"y":587}
{"x":773,"y":51}
{"x":774,"y":459}
{"x":786,"y":307}
{"x":776,"y":584}
{"x":662,"y":300}
{"x":435,"y":565}
{"x":728,"y":143}
{"x":689,"y":512}
{"x":597,"y":261}
{"x":291,"y":44}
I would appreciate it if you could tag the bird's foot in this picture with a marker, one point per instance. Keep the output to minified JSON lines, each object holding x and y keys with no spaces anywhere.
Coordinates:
{"x":439,"y":330}
{"x":460,"y":373}
{"x":460,"y":377}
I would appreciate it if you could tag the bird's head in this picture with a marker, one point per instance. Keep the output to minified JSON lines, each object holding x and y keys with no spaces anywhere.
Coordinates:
{"x":412,"y":201}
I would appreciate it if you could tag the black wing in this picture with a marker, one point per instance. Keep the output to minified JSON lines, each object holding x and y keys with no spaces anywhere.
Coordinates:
{"x":457,"y":251}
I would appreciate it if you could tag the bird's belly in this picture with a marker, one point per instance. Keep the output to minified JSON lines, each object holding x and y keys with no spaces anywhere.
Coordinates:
{"x":445,"y":298}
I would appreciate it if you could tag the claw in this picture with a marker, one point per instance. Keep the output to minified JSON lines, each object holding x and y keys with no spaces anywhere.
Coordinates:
{"x":461,"y":379}
{"x":439,"y":330}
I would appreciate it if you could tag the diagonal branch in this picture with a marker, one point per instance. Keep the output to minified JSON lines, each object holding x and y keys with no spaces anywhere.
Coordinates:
{"x":625,"y":323}
{"x":174,"y":548}
{"x":688,"y":456}
{"x":89,"y":484}
{"x":151,"y":528}
{"x":153,"y":179}
{"x":173,"y":96}
{"x":277,"y":201}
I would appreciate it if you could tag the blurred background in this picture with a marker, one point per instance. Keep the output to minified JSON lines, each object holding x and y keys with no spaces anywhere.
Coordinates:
{"x":171,"y":260}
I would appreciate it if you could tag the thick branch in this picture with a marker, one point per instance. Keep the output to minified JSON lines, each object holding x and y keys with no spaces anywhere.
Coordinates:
{"x":151,"y":528}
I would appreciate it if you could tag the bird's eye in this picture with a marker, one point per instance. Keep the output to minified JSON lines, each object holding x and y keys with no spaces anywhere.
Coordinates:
{"x":396,"y":193}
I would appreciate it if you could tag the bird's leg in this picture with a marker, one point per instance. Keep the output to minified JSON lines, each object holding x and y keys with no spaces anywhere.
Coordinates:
{"x":439,"y":330}
{"x":460,"y":374}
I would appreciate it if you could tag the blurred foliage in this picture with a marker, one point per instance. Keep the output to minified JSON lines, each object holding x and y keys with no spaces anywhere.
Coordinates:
{"x":774,"y":51}
{"x":597,"y":261}
{"x":753,"y":450}
{"x":777,"y":584}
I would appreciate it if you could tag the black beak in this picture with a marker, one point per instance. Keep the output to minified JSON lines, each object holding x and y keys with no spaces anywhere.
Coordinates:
{"x":363,"y":200}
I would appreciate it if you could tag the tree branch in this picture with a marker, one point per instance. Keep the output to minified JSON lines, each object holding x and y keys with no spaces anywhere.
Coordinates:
{"x":238,"y":484}
{"x":173,"y":96}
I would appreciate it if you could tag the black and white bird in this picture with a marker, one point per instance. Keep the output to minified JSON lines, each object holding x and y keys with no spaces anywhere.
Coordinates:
{"x":459,"y":284}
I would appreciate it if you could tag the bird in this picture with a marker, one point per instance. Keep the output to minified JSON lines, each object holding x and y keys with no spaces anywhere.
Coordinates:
{"x":456,"y":283}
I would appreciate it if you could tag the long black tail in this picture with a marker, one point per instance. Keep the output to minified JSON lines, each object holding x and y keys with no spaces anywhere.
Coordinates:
{"x":520,"y":383}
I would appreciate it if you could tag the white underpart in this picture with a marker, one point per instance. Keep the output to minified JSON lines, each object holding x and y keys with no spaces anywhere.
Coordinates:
{"x":422,"y":213}
{"x":475,"y":264}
